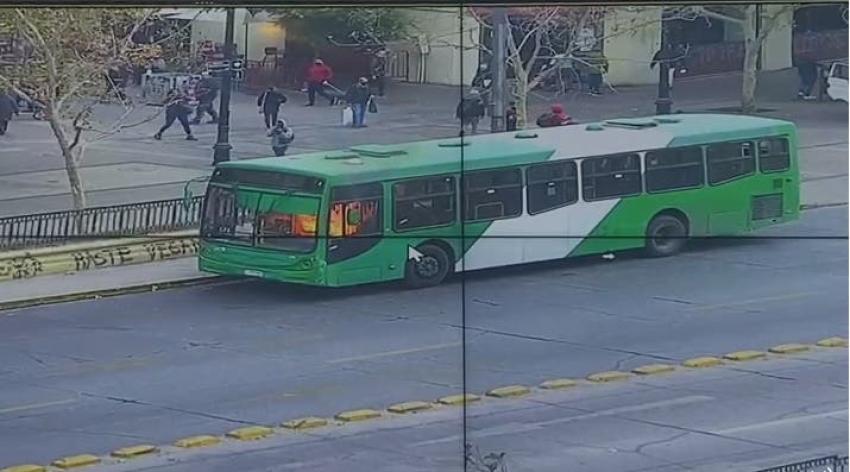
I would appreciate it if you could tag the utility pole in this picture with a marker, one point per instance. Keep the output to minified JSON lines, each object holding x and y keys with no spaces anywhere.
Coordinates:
{"x":221,"y":150}
{"x":500,"y":37}
{"x":664,"y":103}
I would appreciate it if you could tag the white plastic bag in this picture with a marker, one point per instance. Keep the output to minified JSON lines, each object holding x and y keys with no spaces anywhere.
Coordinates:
{"x":347,"y":116}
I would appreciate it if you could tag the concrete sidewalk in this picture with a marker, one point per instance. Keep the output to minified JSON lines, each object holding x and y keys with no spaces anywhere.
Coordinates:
{"x":131,"y":166}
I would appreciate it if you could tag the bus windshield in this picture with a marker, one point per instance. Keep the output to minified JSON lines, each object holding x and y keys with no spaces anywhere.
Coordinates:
{"x":262,"y":219}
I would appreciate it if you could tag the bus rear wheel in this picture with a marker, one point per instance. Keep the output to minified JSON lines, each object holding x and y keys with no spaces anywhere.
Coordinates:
{"x":429,"y":270}
{"x":665,"y":236}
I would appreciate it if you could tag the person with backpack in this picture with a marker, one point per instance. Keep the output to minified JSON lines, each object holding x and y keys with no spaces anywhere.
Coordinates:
{"x":483,"y":81}
{"x":358,"y":97}
{"x":555,"y":117}
{"x":176,"y":108}
{"x":469,"y":111}
{"x":282,"y":135}
{"x":269,"y":103}
{"x":207,"y":90}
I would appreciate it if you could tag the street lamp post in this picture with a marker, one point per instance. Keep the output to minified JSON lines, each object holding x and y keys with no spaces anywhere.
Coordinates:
{"x":664,"y":103}
{"x":497,"y":115}
{"x":221,"y":150}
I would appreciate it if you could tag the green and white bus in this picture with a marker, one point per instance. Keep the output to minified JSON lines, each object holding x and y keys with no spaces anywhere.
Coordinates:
{"x":419,"y":211}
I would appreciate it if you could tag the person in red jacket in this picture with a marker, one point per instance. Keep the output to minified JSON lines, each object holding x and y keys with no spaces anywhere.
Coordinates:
{"x":557,"y":117}
{"x":318,"y":75}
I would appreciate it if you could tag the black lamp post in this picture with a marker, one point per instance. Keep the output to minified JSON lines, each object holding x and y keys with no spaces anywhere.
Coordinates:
{"x":221,"y":150}
{"x":664,"y":103}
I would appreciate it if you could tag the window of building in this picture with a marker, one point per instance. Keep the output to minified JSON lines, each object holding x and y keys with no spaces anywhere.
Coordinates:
{"x":423,"y":203}
{"x":676,"y":168}
{"x":610,"y":176}
{"x":729,"y":161}
{"x":551,"y":186}
{"x":774,"y":155}
{"x":492,"y":195}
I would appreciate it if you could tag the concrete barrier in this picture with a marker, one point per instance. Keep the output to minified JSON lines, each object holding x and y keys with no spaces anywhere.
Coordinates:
{"x":26,"y":264}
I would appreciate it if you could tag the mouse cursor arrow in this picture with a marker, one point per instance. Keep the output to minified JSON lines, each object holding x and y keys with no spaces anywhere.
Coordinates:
{"x":413,"y":254}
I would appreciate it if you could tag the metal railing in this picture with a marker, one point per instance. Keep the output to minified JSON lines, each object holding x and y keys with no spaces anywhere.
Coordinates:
{"x":135,"y":219}
{"x":821,"y":464}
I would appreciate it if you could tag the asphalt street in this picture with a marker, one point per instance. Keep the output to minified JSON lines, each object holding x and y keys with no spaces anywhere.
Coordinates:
{"x":150,"y":368}
{"x":732,"y":419}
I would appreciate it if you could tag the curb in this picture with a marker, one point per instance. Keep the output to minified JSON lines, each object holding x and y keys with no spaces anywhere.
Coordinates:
{"x":295,"y":426}
{"x":72,"y":258}
{"x":109,"y":292}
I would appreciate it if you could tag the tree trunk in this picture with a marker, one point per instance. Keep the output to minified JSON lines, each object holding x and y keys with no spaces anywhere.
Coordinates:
{"x":521,"y":98}
{"x":71,"y":157}
{"x":751,"y":53}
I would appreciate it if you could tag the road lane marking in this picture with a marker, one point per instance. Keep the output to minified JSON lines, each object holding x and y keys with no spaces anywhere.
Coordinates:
{"x":33,"y":406}
{"x":782,"y":422}
{"x":513,"y":428}
{"x":790,"y":296}
{"x":399,"y":352}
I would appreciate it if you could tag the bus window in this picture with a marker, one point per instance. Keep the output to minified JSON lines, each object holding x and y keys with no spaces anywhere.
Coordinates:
{"x":355,"y":223}
{"x":729,"y":161}
{"x":492,"y":195}
{"x":610,"y":176}
{"x":774,"y":155}
{"x":674,"y":168}
{"x":423,"y":203}
{"x":290,"y":232}
{"x":228,"y":217}
{"x":551,"y":186}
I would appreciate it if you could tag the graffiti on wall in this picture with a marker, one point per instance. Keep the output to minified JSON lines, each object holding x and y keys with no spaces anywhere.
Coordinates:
{"x":23,"y":267}
{"x":29,"y":266}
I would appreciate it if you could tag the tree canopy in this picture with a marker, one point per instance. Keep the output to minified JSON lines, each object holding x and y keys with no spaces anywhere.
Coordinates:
{"x":349,"y":26}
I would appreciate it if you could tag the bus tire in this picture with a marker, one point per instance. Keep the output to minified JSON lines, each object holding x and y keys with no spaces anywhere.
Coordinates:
{"x":666,"y":235}
{"x":428,"y":271}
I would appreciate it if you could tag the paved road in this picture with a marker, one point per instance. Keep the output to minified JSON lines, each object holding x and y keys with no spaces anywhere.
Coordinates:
{"x":731,"y":419}
{"x":93,"y":376}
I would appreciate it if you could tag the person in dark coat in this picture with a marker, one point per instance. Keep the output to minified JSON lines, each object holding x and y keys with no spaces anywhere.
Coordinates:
{"x":8,"y":107}
{"x":318,"y":77}
{"x":469,"y":111}
{"x":176,"y":108}
{"x":511,"y":117}
{"x":206,"y":93}
{"x":483,"y":81}
{"x":379,"y":70}
{"x":358,"y":96}
{"x":269,"y":103}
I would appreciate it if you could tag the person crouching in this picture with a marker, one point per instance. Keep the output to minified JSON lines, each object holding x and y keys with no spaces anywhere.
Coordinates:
{"x":282,"y":135}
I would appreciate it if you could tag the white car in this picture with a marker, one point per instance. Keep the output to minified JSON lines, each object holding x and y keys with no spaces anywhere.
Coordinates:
{"x":837,"y":81}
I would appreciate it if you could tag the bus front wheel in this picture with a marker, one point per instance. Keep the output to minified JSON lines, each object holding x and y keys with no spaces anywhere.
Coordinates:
{"x":429,"y":270}
{"x":665,"y":236}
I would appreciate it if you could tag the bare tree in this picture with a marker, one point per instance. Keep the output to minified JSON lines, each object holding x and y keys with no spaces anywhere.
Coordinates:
{"x":70,"y":54}
{"x":755,"y":32}
{"x":540,"y":33}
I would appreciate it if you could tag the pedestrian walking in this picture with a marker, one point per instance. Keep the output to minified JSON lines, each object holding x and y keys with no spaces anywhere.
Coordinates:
{"x":483,"y":80}
{"x":282,"y":135}
{"x":469,"y":111}
{"x":8,"y":107}
{"x":269,"y":103}
{"x":176,"y":108}
{"x":674,"y":58}
{"x":511,"y":117}
{"x":358,"y":96}
{"x":206,"y":92}
{"x":379,"y":70}
{"x":318,"y":77}
{"x":807,"y":70}
{"x":555,"y":117}
{"x":592,"y":65}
